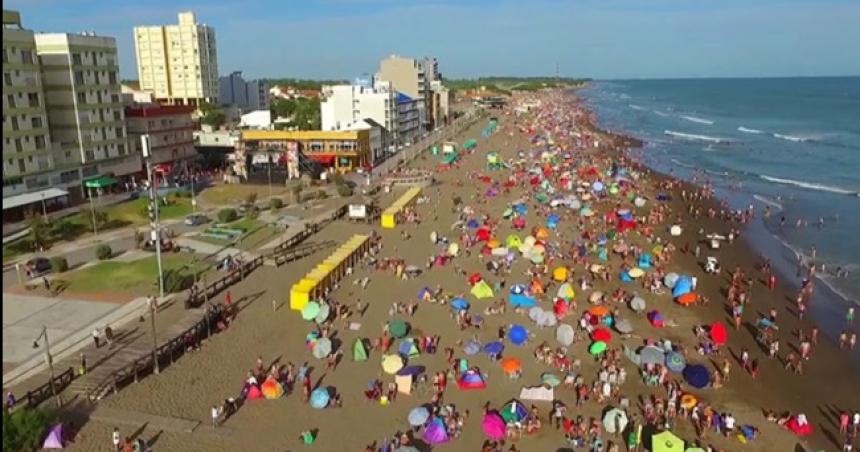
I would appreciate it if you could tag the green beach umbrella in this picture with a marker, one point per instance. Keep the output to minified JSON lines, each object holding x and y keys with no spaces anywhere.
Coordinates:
{"x":398,"y":328}
{"x":311,"y":310}
{"x":666,"y":442}
{"x":550,"y":380}
{"x":597,"y":348}
{"x":541,"y":198}
{"x":613,"y":189}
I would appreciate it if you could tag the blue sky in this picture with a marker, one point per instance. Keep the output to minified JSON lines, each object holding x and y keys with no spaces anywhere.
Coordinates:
{"x":588,"y":38}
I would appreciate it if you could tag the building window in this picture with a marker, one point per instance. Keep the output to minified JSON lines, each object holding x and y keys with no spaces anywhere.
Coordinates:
{"x":89,"y":156}
{"x":121,"y":149}
{"x":14,"y":123}
{"x":33,"y":99}
{"x":117,"y":116}
{"x":36,"y":122}
{"x":76,"y":58}
{"x":26,"y":57}
{"x":7,"y":78}
{"x":79,"y":77}
{"x":82,"y":97}
{"x":10,"y":100}
{"x":112,"y":77}
{"x":40,"y":142}
{"x":22,"y":168}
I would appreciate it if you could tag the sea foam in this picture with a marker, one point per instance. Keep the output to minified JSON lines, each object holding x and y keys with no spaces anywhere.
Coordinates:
{"x":746,"y":130}
{"x":809,"y":185}
{"x":697,"y":120}
{"x":690,"y":136}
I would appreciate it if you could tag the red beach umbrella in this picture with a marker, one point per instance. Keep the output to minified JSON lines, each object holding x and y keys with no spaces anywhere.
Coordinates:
{"x":719,"y":334}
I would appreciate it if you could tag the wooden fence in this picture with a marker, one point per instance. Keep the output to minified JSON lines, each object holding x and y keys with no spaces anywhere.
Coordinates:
{"x":36,"y":396}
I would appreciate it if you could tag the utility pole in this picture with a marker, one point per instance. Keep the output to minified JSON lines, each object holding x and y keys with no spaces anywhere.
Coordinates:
{"x":93,"y":211}
{"x":153,"y":210}
{"x":156,"y":368}
{"x":50,"y":360}
{"x":193,"y":196}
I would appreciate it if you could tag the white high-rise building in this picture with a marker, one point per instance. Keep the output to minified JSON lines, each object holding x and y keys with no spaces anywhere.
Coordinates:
{"x":413,"y":78}
{"x":178,"y":63}
{"x":344,"y":105}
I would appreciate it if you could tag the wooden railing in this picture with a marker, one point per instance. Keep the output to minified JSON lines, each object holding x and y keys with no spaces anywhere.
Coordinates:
{"x":36,"y":396}
{"x":166,"y":354}
{"x":197,"y":297}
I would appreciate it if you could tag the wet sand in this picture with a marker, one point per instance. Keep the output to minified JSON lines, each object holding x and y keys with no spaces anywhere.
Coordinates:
{"x":199,"y":380}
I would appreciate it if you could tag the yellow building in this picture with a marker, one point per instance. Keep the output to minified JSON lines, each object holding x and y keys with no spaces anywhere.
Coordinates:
{"x":343,"y":151}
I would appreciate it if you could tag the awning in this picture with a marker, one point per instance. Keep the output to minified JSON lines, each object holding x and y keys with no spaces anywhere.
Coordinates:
{"x":100,"y":182}
{"x":322,"y":158}
{"x":30,"y":198}
{"x":163,"y":168}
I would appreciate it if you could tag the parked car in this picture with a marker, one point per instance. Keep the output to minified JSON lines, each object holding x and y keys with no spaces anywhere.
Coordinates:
{"x":196,"y":219}
{"x":37,"y":266}
{"x":166,"y":245}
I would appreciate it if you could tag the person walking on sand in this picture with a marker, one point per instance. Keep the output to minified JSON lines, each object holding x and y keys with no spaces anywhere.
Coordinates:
{"x":849,"y":316}
{"x":115,"y":438}
{"x":97,"y":337}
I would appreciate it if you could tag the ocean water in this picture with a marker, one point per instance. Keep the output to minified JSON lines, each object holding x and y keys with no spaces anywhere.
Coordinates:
{"x":791,"y":143}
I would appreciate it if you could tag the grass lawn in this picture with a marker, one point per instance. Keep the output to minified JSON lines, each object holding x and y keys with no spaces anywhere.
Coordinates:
{"x":134,"y":211}
{"x":139,"y":277}
{"x":256,"y":233}
{"x":232,"y":194}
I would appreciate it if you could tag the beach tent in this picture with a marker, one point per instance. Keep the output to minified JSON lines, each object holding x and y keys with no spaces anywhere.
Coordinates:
{"x":471,"y":380}
{"x":623,"y":326}
{"x":425,"y":294}
{"x":513,"y":241}
{"x":687,"y":299}
{"x":407,"y":349}
{"x":435,"y":433}
{"x":697,"y":376}
{"x":320,"y":398}
{"x":656,"y":319}
{"x":493,"y":425}
{"x":521,"y":301}
{"x":322,"y":348}
{"x":55,"y":438}
{"x":638,"y":304}
{"x":271,"y":388}
{"x":683,"y":285}
{"x":670,"y":280}
{"x":799,"y":425}
{"x":518,"y":335}
{"x":254,"y":393}
{"x":615,"y":421}
{"x":494,"y":348}
{"x":472,"y":347}
{"x":359,"y":350}
{"x":404,"y":383}
{"x":666,"y":442}
{"x":482,"y":290}
{"x":538,"y":393}
{"x":459,"y":304}
{"x":514,"y":412}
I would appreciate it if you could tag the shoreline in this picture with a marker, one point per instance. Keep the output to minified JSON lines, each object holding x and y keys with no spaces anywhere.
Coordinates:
{"x":797,"y":393}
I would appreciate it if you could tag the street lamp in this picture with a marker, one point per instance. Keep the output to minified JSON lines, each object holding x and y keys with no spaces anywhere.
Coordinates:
{"x":152,"y":310}
{"x":50,"y":361}
{"x":193,"y":198}
{"x":93,"y":211}
{"x":146,"y":147}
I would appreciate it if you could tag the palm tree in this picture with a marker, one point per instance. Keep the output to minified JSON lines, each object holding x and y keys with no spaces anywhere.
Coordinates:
{"x":39,"y":230}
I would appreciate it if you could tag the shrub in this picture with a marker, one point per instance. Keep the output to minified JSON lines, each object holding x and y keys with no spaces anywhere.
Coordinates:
{"x":103,"y":252}
{"x":25,"y":428}
{"x":227,"y":215}
{"x":139,"y":237}
{"x":322,"y":194}
{"x":252,"y":213}
{"x":251,"y":198}
{"x":276,"y":203}
{"x":344,"y":190}
{"x":59,"y":264}
{"x":176,"y":280}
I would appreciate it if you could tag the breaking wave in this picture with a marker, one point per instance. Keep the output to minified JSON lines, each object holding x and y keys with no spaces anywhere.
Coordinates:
{"x":809,"y":185}
{"x":698,"y":120}
{"x":690,"y":136}
{"x":746,"y":130}
{"x":792,"y":138}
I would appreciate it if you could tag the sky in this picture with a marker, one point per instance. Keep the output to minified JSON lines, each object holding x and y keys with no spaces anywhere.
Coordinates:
{"x":603,"y":39}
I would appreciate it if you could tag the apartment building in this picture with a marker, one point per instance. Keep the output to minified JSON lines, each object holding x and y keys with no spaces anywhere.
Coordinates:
{"x":344,"y":105}
{"x":171,"y":132}
{"x":409,"y":119}
{"x":413,"y":77}
{"x":84,"y":103}
{"x":31,"y":166}
{"x":440,"y":98}
{"x":178,"y":63}
{"x":234,"y":91}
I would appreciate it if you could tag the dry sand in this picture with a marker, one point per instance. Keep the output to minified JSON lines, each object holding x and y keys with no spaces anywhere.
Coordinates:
{"x":199,"y":380}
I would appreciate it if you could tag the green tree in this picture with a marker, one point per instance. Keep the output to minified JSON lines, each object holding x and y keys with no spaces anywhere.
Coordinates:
{"x":212,"y":115}
{"x":25,"y":428}
{"x":39,"y":230}
{"x":88,"y":215}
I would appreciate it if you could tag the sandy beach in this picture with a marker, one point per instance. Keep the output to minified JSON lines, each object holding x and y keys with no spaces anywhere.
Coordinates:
{"x":189,"y":388}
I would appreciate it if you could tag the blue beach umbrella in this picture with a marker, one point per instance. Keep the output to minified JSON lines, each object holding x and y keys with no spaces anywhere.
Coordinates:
{"x":320,"y":398}
{"x":459,"y":304}
{"x":494,"y":348}
{"x":472,"y":348}
{"x":518,"y":335}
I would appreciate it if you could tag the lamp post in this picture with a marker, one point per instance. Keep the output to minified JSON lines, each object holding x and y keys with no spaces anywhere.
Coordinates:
{"x":50,"y":360}
{"x":146,"y":148}
{"x":152,"y":310}
{"x":93,"y":211}
{"x":44,"y":208}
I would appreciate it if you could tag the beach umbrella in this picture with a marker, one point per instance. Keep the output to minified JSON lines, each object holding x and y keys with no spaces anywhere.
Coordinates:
{"x":472,"y":224}
{"x":597,"y":348}
{"x":535,"y":313}
{"x":550,"y":380}
{"x":598,"y":311}
{"x":407,"y":348}
{"x":511,"y":365}
{"x":320,"y":398}
{"x":322,"y":348}
{"x":391,"y":364}
{"x":472,"y":347}
{"x":418,"y":416}
{"x":656,"y":319}
{"x":675,"y":361}
{"x":514,"y":411}
{"x":636,"y":272}
{"x":494,"y":348}
{"x":493,"y":425}
{"x":597,"y":186}
{"x":684,"y":284}
{"x":500,"y":251}
{"x":459,"y":304}
{"x":494,"y":244}
{"x":521,"y":301}
{"x":639,"y":201}
{"x":536,"y":258}
{"x":560,"y":274}
{"x":566,"y":292}
{"x":547,"y":319}
{"x":687,"y":299}
{"x":601,"y":335}
{"x":435,"y":432}
{"x":675,"y":231}
{"x":652,"y":354}
{"x":638,"y":304}
{"x":413,"y":371}
{"x":666,"y":442}
{"x":623,"y":326}
{"x":697,"y":376}
{"x":453,"y":249}
{"x":311,"y":310}
{"x":518,"y":289}
{"x":615,"y":421}
{"x":518,"y":335}
{"x":719,"y":334}
{"x":271,"y":389}
{"x":799,"y":425}
{"x":564,"y":334}
{"x":482,"y":290}
{"x":398,"y":328}
{"x":434,"y":237}
{"x":322,"y":316}
{"x":688,"y":401}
